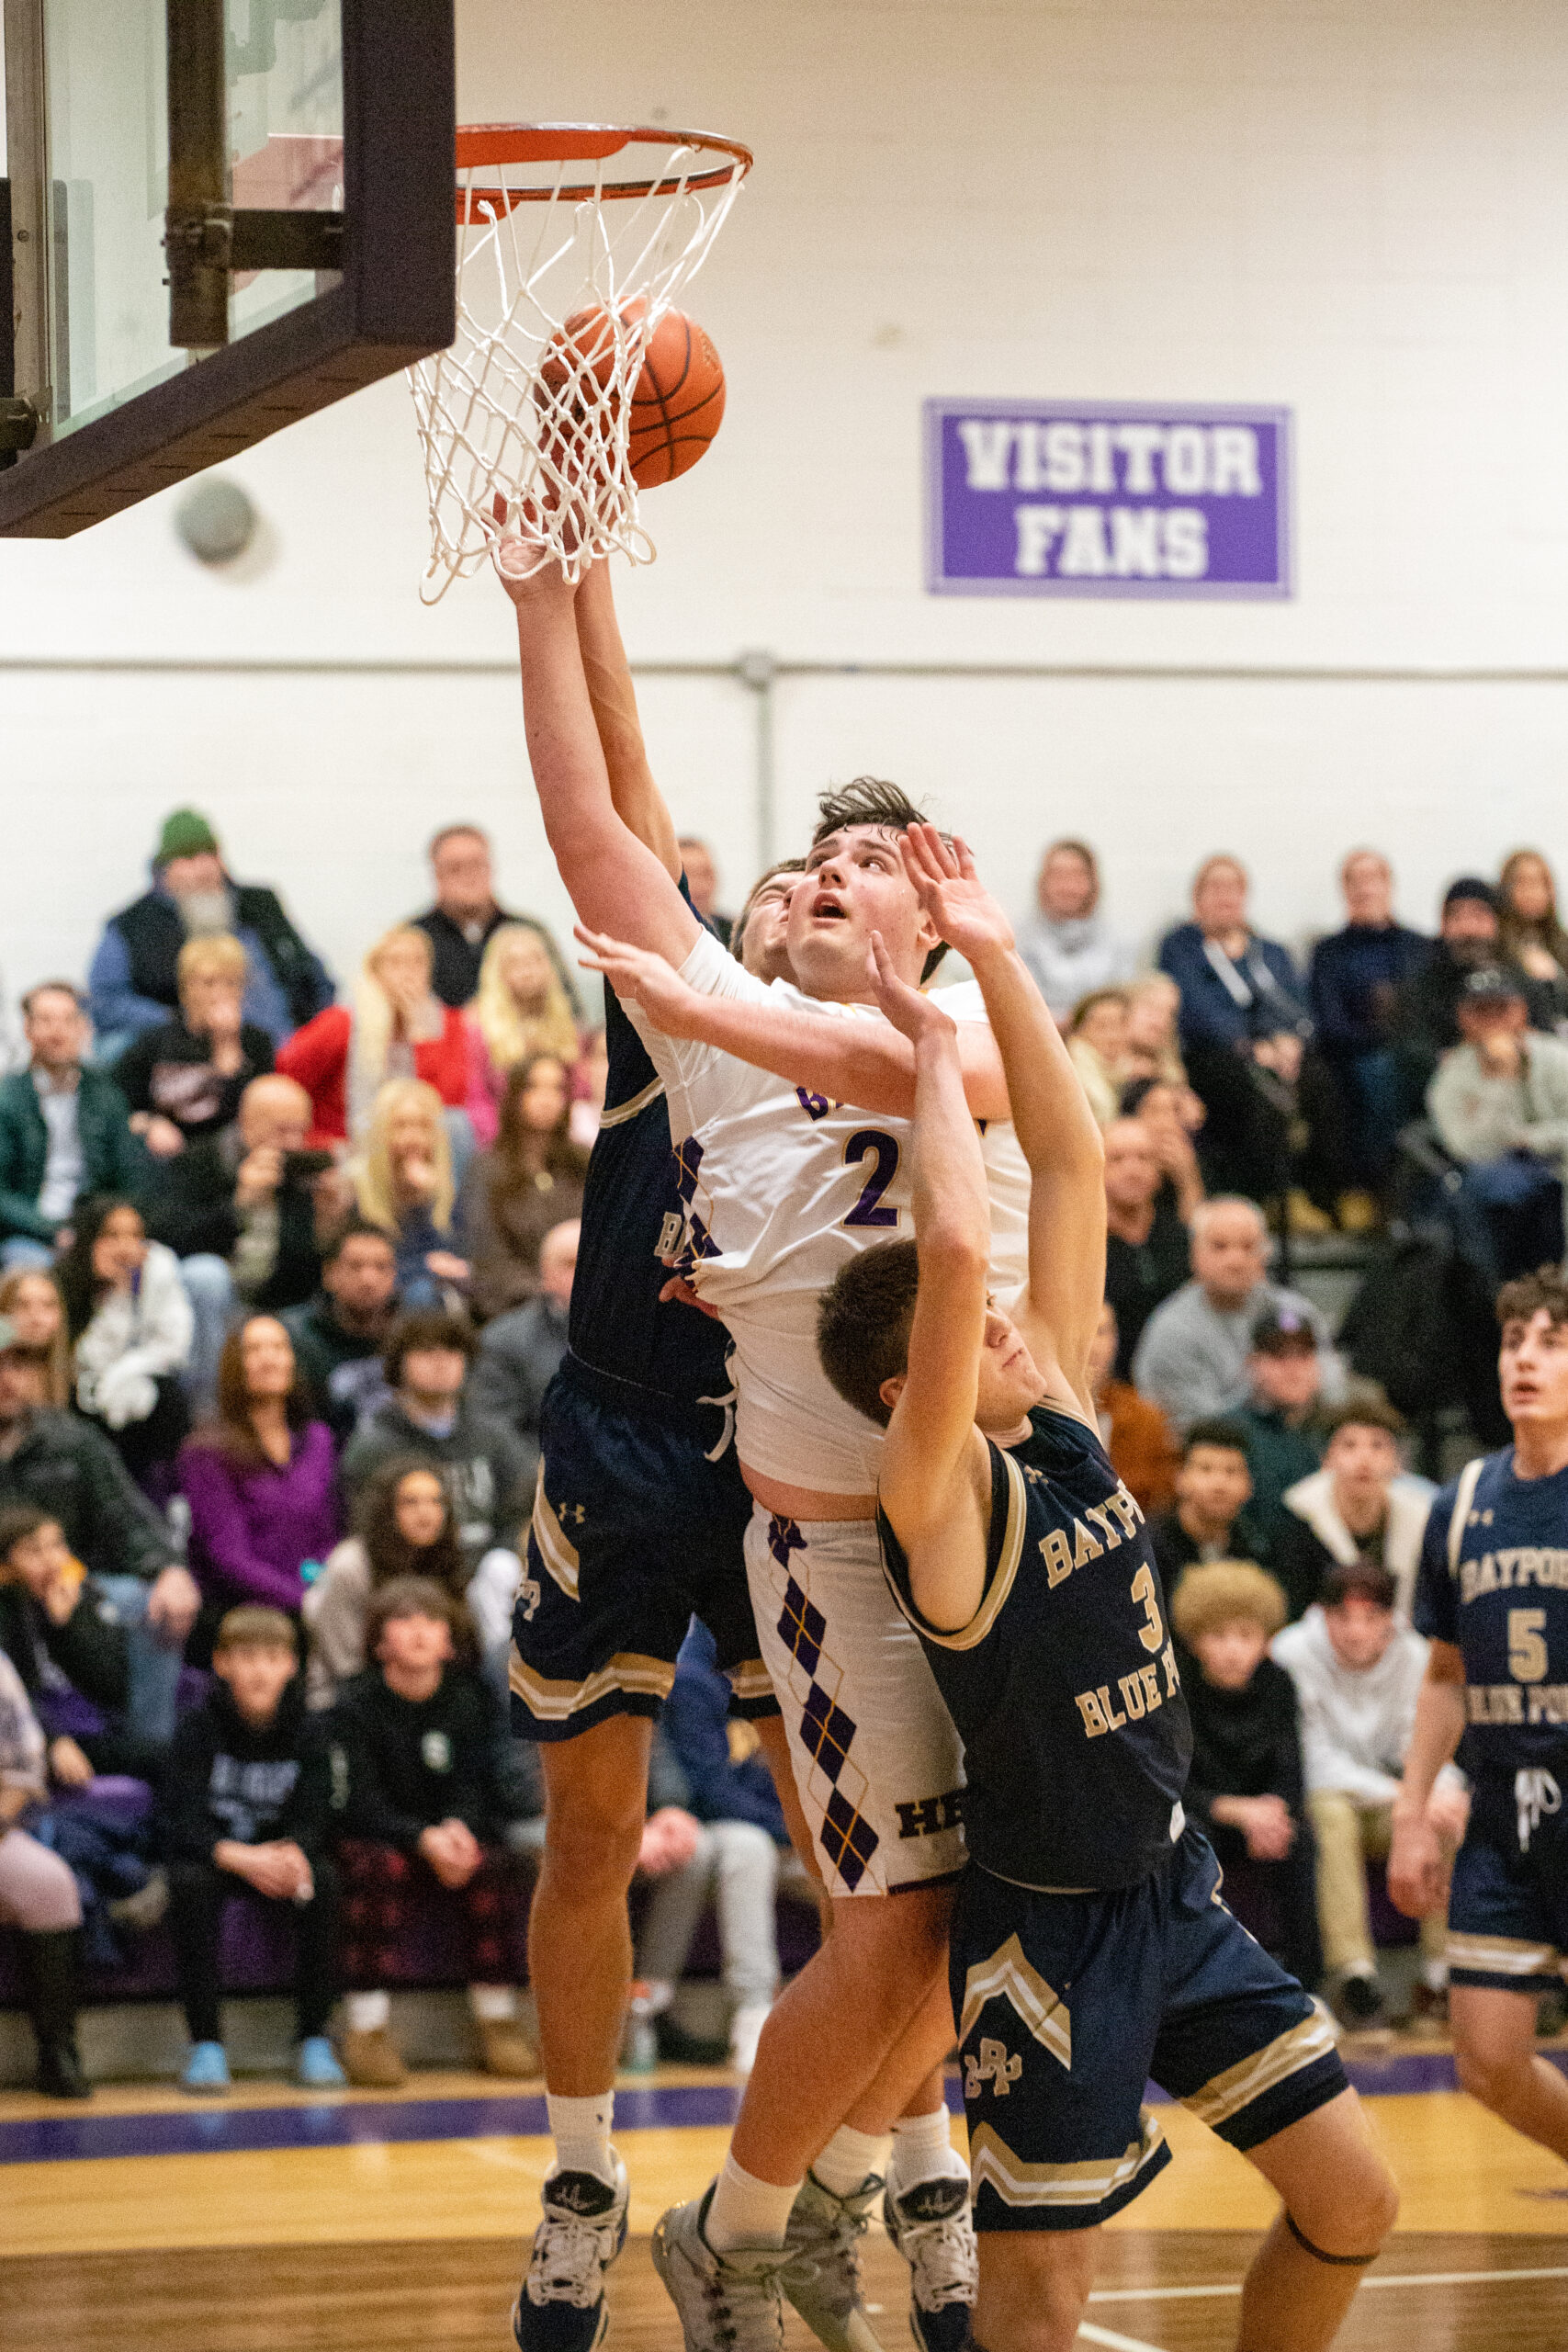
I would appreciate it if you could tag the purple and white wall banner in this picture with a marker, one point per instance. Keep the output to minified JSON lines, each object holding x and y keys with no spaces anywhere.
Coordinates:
{"x":1107,"y":498}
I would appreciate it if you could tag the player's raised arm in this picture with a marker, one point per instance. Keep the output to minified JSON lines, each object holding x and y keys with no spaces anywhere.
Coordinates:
{"x":1055,"y":1126}
{"x":848,"y":1061}
{"x":934,"y":1456}
{"x":616,"y":883}
{"x":638,"y":802}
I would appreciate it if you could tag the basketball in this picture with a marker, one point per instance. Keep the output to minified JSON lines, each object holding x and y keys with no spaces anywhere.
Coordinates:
{"x":677,"y":402}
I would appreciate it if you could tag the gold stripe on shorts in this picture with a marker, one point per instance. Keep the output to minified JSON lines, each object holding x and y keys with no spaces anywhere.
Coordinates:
{"x":1501,"y":1955}
{"x":1008,"y":1973}
{"x":556,"y":1702}
{"x":1227,"y":2094}
{"x":1021,"y":2184}
{"x":750,"y":1680}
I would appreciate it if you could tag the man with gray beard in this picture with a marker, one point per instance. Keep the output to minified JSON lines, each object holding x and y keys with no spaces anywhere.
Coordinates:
{"x":131,"y":985}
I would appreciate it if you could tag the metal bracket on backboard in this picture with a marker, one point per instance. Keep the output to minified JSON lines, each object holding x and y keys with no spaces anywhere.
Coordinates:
{"x":205,"y":238}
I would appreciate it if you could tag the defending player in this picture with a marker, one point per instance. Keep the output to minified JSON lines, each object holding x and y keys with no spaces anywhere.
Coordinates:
{"x":638,"y":1520}
{"x":1091,"y":1949}
{"x":780,"y":1183}
{"x":1491,"y":1594}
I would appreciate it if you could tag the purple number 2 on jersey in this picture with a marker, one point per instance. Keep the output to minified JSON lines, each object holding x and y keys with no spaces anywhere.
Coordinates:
{"x":870,"y":1143}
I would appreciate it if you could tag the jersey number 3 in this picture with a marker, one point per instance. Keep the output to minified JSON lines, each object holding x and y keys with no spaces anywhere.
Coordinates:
{"x":1151,"y":1633}
{"x":870,"y":1143}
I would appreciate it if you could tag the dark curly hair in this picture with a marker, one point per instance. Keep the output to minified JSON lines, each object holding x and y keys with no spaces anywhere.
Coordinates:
{"x":387,"y":1549}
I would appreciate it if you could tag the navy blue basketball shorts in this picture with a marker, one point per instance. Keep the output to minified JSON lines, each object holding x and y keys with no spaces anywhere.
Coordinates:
{"x":1068,"y":2005}
{"x":636,"y":1529}
{"x":1508,"y":1902}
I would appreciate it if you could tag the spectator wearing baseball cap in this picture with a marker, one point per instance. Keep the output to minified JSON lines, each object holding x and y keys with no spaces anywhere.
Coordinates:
{"x":133,"y":983}
{"x":1284,"y":1367}
{"x":1426,"y":1014}
{"x":1499,"y":1101}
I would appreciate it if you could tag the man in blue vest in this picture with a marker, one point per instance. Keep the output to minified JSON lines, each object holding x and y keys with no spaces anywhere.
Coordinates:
{"x":131,"y":984}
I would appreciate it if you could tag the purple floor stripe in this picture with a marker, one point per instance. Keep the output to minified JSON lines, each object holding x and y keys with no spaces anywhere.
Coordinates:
{"x":328,"y":2123}
{"x":340,"y":2124}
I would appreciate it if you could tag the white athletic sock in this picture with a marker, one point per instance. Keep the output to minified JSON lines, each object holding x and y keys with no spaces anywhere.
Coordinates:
{"x":367,"y":2012}
{"x":491,"y":2004}
{"x":746,"y":2211}
{"x":581,"y":2130}
{"x":849,"y":2158}
{"x":923,"y":2149}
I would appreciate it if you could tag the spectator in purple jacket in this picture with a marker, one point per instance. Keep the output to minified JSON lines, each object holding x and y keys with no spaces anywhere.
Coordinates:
{"x":261,"y":1479}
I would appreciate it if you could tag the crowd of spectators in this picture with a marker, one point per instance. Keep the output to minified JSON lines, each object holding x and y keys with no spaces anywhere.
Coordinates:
{"x":283,"y":1282}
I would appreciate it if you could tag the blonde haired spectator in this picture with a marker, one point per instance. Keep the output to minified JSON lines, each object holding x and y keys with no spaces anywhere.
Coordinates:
{"x":31,"y":1304}
{"x":1154,"y":1010}
{"x":403,"y":1184}
{"x":521,"y":1009}
{"x":398,"y":1028}
{"x":184,"y":1080}
{"x":1097,"y":1040}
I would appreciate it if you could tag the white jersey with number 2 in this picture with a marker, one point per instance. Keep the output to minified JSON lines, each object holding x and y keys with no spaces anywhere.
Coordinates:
{"x":779,"y":1187}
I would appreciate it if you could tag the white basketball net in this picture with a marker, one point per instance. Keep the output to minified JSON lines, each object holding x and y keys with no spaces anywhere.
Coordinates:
{"x":560,"y":243}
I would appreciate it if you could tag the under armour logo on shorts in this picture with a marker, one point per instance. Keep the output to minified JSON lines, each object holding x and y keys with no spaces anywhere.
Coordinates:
{"x":994,"y":2067}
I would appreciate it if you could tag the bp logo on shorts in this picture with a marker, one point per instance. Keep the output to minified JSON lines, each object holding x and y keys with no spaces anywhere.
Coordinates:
{"x":436,"y":1750}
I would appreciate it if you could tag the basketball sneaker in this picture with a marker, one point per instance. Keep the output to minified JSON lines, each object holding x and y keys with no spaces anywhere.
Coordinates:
{"x":560,"y":2305}
{"x":823,"y":2279}
{"x":726,"y":2303}
{"x":933,"y":2228}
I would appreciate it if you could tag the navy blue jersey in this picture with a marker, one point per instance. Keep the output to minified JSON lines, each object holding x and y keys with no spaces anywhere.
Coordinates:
{"x":1062,"y":1685}
{"x":1503,"y":1604}
{"x":631,"y":1211}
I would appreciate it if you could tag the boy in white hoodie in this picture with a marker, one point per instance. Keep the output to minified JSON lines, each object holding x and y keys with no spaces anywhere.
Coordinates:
{"x":1357,"y":1668}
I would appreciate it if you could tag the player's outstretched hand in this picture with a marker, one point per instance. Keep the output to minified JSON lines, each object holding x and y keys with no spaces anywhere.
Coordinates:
{"x":530,"y":574}
{"x":644,"y":978}
{"x":953,"y":894}
{"x":913,"y":1015}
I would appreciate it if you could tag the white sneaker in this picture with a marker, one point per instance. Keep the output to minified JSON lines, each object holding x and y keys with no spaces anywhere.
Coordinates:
{"x":745,"y":2032}
{"x":726,"y":2303}
{"x":560,"y":2305}
{"x":932,"y":2226}
{"x":823,"y":2280}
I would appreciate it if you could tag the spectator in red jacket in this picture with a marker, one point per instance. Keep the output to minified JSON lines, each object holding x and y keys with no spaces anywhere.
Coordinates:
{"x":398,"y":1028}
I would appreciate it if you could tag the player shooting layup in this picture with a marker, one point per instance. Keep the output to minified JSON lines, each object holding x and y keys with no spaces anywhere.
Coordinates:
{"x":1091,"y":1949}
{"x":781,"y":1182}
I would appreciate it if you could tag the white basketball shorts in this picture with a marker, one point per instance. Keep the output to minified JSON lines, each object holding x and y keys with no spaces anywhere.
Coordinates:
{"x":877,"y":1761}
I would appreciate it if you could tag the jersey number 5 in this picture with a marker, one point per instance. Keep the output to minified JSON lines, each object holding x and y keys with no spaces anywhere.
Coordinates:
{"x":1527,"y":1649}
{"x":870,"y":1143}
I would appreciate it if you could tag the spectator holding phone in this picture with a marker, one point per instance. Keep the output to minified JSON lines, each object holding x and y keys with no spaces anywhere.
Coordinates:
{"x":247,"y":1212}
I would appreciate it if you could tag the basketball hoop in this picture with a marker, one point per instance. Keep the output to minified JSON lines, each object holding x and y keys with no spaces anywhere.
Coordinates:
{"x":565,"y":268}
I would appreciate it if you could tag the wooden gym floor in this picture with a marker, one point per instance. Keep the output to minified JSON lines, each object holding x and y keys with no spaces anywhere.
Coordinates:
{"x":148,"y":2222}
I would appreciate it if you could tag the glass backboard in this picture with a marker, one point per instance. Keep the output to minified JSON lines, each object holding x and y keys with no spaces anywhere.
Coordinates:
{"x":312,"y":244}
{"x":106,"y":96}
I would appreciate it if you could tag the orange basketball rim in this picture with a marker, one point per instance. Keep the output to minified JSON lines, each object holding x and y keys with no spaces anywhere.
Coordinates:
{"x":553,"y":218}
